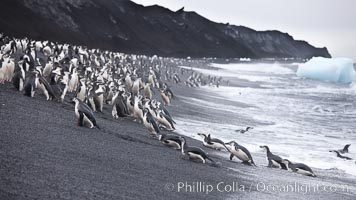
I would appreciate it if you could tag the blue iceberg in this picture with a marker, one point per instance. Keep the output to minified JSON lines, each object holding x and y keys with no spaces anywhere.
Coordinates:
{"x":337,"y":70}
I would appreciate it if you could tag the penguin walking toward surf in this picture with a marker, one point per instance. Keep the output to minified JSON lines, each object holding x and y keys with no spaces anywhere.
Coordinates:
{"x":195,"y":153}
{"x":165,"y":120}
{"x":240,"y":152}
{"x":299,"y":168}
{"x":213,"y":143}
{"x":170,"y":140}
{"x":274,"y":160}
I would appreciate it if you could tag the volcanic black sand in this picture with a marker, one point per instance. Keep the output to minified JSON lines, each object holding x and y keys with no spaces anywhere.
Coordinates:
{"x":45,"y":155}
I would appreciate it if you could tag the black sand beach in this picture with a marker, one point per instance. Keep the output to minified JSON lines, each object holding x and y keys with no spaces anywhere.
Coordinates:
{"x":45,"y":155}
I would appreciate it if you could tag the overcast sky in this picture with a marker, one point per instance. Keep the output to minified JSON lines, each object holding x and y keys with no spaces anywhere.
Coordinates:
{"x":330,"y":23}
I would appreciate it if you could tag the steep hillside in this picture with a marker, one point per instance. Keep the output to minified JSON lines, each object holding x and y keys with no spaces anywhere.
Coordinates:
{"x":125,"y":26}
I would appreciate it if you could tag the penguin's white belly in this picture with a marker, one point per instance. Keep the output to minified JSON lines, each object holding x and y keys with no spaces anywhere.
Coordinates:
{"x":165,"y":122}
{"x":114,"y":112}
{"x":76,"y":113}
{"x":2,"y":75}
{"x":88,"y":122}
{"x":101,"y":100}
{"x":81,"y":94}
{"x":135,"y":89}
{"x":64,"y":92}
{"x":91,"y":101}
{"x":276,"y":164}
{"x":242,"y":155}
{"x":233,"y":151}
{"x":195,"y":156}
{"x":73,"y":84}
{"x":165,"y":99}
{"x":47,"y":70}
{"x":43,"y":89}
{"x":154,"y":115}
{"x":21,"y":85}
{"x":172,"y":143}
{"x":138,"y":113}
{"x":131,"y":109}
{"x":304,"y":172}
{"x":149,"y":126}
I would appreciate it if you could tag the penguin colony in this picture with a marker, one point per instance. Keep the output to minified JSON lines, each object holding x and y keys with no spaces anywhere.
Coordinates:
{"x":91,"y":78}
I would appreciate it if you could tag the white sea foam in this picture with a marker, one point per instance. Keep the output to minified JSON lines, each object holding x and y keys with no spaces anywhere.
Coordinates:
{"x":308,"y":117}
{"x":259,"y":68}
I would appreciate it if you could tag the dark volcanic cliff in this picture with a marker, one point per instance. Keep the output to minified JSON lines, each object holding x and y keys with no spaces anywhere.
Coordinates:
{"x":124,"y":26}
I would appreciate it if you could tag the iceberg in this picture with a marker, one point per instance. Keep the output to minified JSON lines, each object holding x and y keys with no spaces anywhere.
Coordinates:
{"x":337,"y":70}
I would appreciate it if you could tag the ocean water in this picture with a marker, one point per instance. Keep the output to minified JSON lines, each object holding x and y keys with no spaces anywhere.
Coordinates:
{"x":299,"y":119}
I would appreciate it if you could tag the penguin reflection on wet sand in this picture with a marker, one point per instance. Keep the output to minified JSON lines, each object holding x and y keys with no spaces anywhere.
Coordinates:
{"x":299,"y":168}
{"x":274,"y":160}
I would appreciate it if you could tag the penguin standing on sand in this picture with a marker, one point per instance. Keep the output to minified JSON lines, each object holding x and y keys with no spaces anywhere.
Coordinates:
{"x":95,"y":99}
{"x":299,"y":168}
{"x":119,"y":108}
{"x":240,"y":152}
{"x":81,"y":91}
{"x":45,"y":87}
{"x":274,"y":160}
{"x":48,"y":69}
{"x":168,"y":91}
{"x":165,"y":97}
{"x":84,"y":114}
{"x":138,"y":109}
{"x":194,"y":153}
{"x":150,"y":123}
{"x":19,"y":78}
{"x":130,"y":104}
{"x":30,"y":84}
{"x":147,"y":91}
{"x":165,"y":120}
{"x":7,"y":70}
{"x":136,"y":86}
{"x":128,"y":81}
{"x":99,"y":98}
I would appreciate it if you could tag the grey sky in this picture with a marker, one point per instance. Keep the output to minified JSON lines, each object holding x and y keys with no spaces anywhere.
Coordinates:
{"x":330,"y":23}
